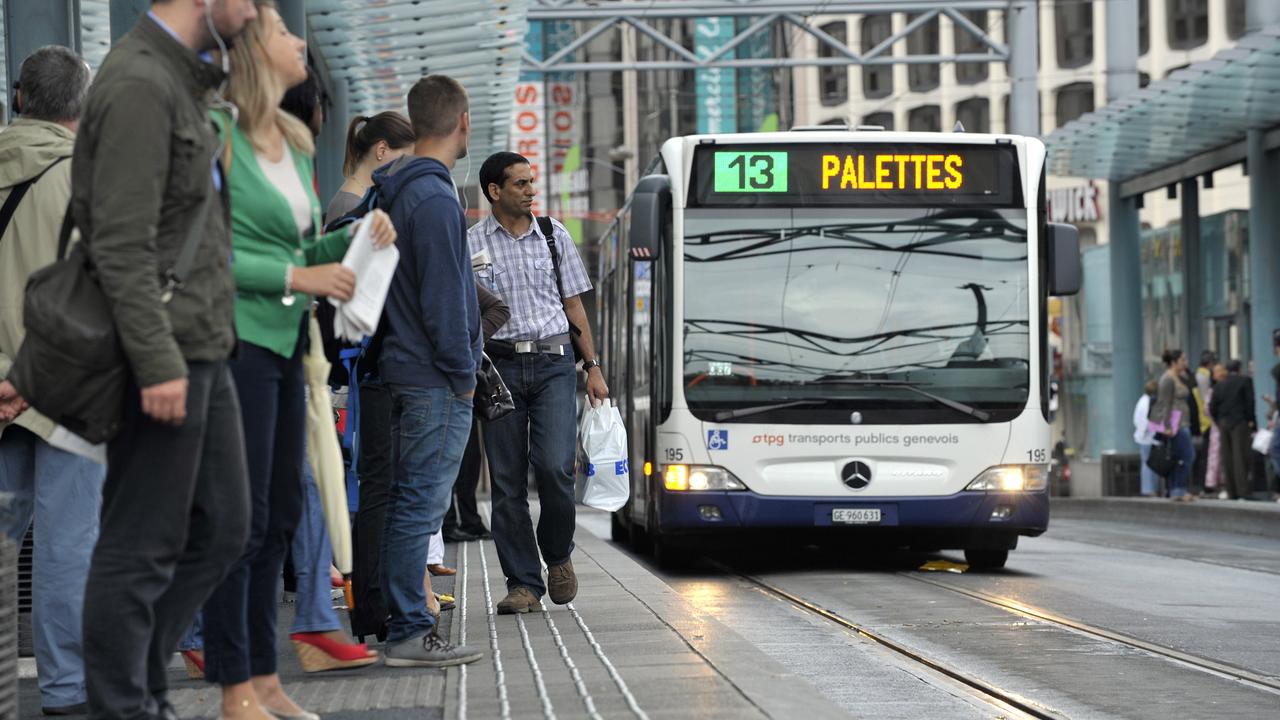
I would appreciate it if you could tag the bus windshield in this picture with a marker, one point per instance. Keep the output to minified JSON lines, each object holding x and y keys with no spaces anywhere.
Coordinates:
{"x":860,"y":309}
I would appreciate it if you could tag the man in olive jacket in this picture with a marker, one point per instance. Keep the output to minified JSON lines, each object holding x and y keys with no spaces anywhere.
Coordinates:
{"x":175,"y":510}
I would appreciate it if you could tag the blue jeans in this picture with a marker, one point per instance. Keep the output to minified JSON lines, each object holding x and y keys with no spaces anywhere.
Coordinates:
{"x":429,"y":429}
{"x":64,"y":493}
{"x":1186,"y":453}
{"x":1273,"y":451}
{"x":539,"y":433}
{"x":1150,"y":480}
{"x":194,"y":637}
{"x":312,"y":555}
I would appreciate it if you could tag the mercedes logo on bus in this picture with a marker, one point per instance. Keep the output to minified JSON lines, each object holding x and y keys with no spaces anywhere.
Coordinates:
{"x":856,"y":475}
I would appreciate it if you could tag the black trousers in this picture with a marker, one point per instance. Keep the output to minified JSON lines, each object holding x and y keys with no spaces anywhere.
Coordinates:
{"x":1236,"y":450}
{"x":463,"y":514}
{"x":240,"y":616}
{"x":374,"y":470}
{"x":175,"y":517}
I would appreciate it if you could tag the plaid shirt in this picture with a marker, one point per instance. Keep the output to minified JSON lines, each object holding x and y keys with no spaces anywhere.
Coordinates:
{"x":524,"y":277}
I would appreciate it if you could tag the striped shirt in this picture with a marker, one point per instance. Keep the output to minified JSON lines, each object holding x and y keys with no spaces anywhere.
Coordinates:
{"x":522,"y":275}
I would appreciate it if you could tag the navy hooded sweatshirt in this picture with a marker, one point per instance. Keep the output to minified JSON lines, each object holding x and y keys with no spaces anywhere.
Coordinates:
{"x":433,"y":318}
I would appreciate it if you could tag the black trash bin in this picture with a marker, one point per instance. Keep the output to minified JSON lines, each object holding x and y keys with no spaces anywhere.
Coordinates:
{"x":1121,"y":474}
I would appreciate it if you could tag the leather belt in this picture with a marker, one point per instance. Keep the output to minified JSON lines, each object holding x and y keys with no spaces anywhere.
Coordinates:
{"x":558,"y":345}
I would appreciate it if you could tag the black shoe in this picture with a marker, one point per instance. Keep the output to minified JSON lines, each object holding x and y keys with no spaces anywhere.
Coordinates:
{"x":77,"y":709}
{"x":480,"y":532}
{"x":453,"y":536}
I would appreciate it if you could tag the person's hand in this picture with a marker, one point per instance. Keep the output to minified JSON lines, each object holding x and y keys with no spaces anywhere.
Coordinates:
{"x":597,"y":390}
{"x":333,"y":280}
{"x":11,"y":403}
{"x":381,"y":229}
{"x":166,"y":402}
{"x":1268,"y":398}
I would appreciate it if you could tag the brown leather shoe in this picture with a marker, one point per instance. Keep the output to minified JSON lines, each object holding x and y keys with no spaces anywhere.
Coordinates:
{"x":519,"y":600}
{"x":562,"y":583}
{"x":437,"y":569}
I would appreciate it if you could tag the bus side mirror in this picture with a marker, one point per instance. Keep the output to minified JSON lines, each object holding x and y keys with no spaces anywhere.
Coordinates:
{"x":1065,"y":271}
{"x":650,"y":217}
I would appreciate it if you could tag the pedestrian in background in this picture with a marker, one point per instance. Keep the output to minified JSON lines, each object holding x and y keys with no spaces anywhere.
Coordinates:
{"x":280,"y":260}
{"x":428,"y":360}
{"x":541,"y":276}
{"x":1201,"y":382}
{"x":372,"y":142}
{"x":1144,"y":436}
{"x":55,"y":479}
{"x":1233,"y":411}
{"x":1273,"y":415}
{"x":1213,"y":477}
{"x":1172,"y":413}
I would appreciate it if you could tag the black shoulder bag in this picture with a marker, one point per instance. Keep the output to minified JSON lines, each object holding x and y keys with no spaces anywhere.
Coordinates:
{"x":549,"y":232}
{"x":71,"y":367}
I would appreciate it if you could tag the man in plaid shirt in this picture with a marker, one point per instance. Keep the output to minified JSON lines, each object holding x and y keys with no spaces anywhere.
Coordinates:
{"x":534,"y":354}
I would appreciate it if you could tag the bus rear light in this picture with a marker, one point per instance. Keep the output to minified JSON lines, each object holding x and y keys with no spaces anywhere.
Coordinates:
{"x":697,"y":478}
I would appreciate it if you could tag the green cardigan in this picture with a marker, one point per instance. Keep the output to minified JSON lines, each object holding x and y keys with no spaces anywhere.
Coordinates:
{"x":265,"y":239}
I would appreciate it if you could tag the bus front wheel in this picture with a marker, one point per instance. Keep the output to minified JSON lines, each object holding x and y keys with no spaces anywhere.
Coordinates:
{"x":986,"y":558}
{"x":618,"y":530}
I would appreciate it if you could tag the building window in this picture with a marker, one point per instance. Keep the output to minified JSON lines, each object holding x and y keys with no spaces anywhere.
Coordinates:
{"x":833,"y":80}
{"x":835,"y":121}
{"x":924,"y":40}
{"x":1144,"y":26}
{"x":1236,"y":21}
{"x":975,"y":115}
{"x":966,"y":43}
{"x":1074,"y":100}
{"x":1073,"y":22}
{"x":881,"y":119}
{"x":877,"y":80}
{"x":1188,"y":23}
{"x":925,"y":119}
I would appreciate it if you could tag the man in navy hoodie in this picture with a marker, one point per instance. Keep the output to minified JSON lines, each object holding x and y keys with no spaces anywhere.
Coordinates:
{"x":428,"y":361}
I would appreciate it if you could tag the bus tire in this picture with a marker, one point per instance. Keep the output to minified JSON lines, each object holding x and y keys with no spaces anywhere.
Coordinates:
{"x":986,"y":558}
{"x":668,"y":555}
{"x":638,"y":539}
{"x":618,"y":530}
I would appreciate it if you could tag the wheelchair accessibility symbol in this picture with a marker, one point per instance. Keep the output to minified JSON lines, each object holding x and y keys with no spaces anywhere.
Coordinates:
{"x":717,"y":439}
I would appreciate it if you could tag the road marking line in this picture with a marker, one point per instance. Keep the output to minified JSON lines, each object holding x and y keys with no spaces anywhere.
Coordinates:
{"x":608,"y":666}
{"x":547,"y":710}
{"x":462,"y":631}
{"x":585,"y":694}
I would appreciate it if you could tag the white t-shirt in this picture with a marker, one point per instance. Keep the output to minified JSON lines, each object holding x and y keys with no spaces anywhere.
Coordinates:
{"x":284,"y":176}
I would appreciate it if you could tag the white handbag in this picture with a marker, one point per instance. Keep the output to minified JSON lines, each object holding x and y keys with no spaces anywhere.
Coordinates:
{"x":323,"y":452}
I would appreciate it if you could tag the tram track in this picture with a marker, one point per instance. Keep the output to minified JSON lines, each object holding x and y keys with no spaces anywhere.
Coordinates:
{"x":1002,"y":699}
{"x":1199,"y":663}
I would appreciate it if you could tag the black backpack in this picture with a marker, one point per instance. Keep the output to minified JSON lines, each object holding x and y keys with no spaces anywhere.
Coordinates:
{"x":346,"y":358}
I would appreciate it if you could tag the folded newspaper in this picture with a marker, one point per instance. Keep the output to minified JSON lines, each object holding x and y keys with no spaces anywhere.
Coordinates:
{"x":374,"y":268}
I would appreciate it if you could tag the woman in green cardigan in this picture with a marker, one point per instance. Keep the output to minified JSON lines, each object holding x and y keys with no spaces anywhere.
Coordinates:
{"x":280,"y":261}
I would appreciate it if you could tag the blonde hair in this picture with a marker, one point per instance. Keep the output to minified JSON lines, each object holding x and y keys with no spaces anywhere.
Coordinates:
{"x":255,"y":90}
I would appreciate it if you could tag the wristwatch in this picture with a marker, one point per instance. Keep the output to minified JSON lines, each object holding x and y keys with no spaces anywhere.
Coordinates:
{"x":588,"y":364}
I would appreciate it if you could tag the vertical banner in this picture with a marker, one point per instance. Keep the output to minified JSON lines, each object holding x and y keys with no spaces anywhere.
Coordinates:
{"x":529,"y":135}
{"x":567,"y":175}
{"x":716,"y":89}
{"x":758,"y":112}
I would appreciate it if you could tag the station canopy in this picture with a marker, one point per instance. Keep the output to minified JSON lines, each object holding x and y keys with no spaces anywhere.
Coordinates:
{"x":380,"y":48}
{"x":1197,"y":109}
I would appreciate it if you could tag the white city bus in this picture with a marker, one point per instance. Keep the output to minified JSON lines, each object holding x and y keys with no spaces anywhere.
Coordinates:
{"x":834,"y":331}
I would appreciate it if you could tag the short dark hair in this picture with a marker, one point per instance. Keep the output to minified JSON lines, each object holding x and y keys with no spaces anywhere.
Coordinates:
{"x":1207,"y":358}
{"x":436,"y":104}
{"x":54,"y":83}
{"x":1234,"y":367}
{"x":1171,"y":356}
{"x":494,"y":170}
{"x":304,"y":99}
{"x":364,"y":132}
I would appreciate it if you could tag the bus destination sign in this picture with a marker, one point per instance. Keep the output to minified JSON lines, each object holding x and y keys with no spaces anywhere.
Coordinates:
{"x":865,"y":174}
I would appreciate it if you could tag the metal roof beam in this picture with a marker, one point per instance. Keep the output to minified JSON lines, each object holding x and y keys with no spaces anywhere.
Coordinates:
{"x":1205,"y":162}
{"x":589,"y":10}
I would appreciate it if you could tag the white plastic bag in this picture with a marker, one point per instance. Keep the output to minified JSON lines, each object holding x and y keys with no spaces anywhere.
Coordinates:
{"x":604,"y":439}
{"x":1262,"y":441}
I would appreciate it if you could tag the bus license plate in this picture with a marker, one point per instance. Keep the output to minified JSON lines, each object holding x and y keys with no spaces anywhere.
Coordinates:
{"x":855,"y":516}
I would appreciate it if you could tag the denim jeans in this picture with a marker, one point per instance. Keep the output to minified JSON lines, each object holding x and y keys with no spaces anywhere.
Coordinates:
{"x":1150,"y":480}
{"x":539,"y":433}
{"x":312,"y":556}
{"x":63,"y":492}
{"x":429,"y":429}
{"x":1186,"y":453}
{"x":1273,"y":451}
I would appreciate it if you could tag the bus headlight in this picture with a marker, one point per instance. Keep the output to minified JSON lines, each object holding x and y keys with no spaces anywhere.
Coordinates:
{"x":696,"y":478}
{"x":1011,"y":478}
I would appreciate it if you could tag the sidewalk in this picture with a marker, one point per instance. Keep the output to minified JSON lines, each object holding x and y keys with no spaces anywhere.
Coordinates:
{"x":628,"y":646}
{"x":1234,"y":516}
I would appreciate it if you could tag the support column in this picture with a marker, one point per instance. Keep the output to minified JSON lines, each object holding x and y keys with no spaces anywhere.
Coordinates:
{"x":1264,"y":262}
{"x":294,"y":15}
{"x":1192,"y":273}
{"x":125,"y":14}
{"x":1127,"y":362}
{"x":31,"y":24}
{"x":630,"y":109}
{"x":1024,"y":100}
{"x":333,"y":141}
{"x":1260,"y":14}
{"x":1122,"y":48}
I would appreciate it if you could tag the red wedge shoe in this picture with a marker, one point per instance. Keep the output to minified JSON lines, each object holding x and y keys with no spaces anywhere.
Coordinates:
{"x":321,"y":651}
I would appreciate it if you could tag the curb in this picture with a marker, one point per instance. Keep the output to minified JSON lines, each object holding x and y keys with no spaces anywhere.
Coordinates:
{"x":1242,"y":518}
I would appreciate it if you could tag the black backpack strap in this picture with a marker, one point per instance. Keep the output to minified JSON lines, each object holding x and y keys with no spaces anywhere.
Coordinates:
{"x":549,"y":232}
{"x":64,"y":235}
{"x":15,"y":197}
{"x":176,"y":275}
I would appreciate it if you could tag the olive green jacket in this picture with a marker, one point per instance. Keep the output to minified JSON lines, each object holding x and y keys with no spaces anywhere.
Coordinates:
{"x":142,"y":167}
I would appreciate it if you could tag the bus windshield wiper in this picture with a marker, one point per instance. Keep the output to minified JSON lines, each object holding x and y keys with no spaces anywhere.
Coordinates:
{"x":914,"y":387}
{"x":757,"y":409}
